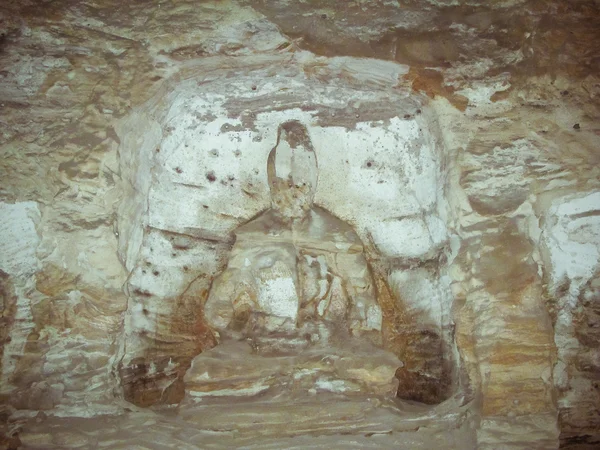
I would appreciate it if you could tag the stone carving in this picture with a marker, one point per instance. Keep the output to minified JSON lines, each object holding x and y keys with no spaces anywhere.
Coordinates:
{"x":298,"y":289}
{"x":296,"y":266}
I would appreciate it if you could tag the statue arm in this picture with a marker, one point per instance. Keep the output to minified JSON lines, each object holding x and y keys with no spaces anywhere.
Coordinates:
{"x":364,"y":311}
{"x":231,"y":294}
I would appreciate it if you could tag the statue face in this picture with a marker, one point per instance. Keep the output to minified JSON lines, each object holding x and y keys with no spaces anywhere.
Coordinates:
{"x":292,"y":169}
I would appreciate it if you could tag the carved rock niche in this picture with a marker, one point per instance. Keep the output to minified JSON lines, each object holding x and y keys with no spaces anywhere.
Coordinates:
{"x":285,"y":233}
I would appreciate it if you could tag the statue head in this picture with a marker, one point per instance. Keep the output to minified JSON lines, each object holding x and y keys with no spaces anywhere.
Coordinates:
{"x":292,"y":171}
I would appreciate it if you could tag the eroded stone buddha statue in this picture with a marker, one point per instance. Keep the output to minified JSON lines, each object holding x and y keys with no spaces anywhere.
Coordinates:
{"x":296,"y":264}
{"x":297,"y":291}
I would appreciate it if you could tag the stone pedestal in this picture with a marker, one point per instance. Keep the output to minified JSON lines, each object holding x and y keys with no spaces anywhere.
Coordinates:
{"x":240,"y":369}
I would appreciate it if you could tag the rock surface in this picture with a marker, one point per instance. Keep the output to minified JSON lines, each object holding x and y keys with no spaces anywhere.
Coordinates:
{"x":330,"y":421}
{"x":237,"y":369}
{"x":458,"y":140}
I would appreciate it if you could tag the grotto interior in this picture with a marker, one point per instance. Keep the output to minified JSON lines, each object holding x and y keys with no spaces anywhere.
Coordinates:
{"x":316,"y":224}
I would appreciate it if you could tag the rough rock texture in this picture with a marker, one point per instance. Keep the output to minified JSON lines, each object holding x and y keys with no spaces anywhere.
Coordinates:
{"x":457,"y":139}
{"x":236,"y":369}
{"x":327,"y":422}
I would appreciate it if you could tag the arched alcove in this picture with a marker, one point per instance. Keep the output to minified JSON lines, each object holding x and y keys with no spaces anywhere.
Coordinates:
{"x":194,"y":158}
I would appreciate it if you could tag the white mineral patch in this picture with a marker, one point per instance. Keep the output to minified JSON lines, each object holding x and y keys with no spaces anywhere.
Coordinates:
{"x":571,"y":234}
{"x":407,"y":237}
{"x":278,"y":297}
{"x":18,"y":238}
{"x":383,"y":172}
{"x":480,"y":93}
{"x":424,"y":294}
{"x":331,"y":385}
{"x":571,"y":251}
{"x":253,"y":390}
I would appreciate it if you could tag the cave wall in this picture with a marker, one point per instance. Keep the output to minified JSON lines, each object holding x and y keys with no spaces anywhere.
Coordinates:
{"x":504,"y":243}
{"x":521,"y":236}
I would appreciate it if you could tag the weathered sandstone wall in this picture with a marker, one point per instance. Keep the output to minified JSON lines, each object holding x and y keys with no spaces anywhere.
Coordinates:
{"x":459,"y":139}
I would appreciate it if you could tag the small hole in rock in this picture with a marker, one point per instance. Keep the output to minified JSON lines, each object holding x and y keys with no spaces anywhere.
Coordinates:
{"x":210,"y":176}
{"x":369,"y":164}
{"x":178,"y":170}
{"x":156,"y":273}
{"x":205,"y":206}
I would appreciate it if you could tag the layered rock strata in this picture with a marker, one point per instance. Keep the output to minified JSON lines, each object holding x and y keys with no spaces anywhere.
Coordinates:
{"x":459,"y":140}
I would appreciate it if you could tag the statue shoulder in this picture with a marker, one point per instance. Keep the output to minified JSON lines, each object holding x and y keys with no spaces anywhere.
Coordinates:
{"x":334,"y":225}
{"x":261,"y":223}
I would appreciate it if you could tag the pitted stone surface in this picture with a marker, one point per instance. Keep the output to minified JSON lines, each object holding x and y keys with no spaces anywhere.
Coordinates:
{"x":458,"y":140}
